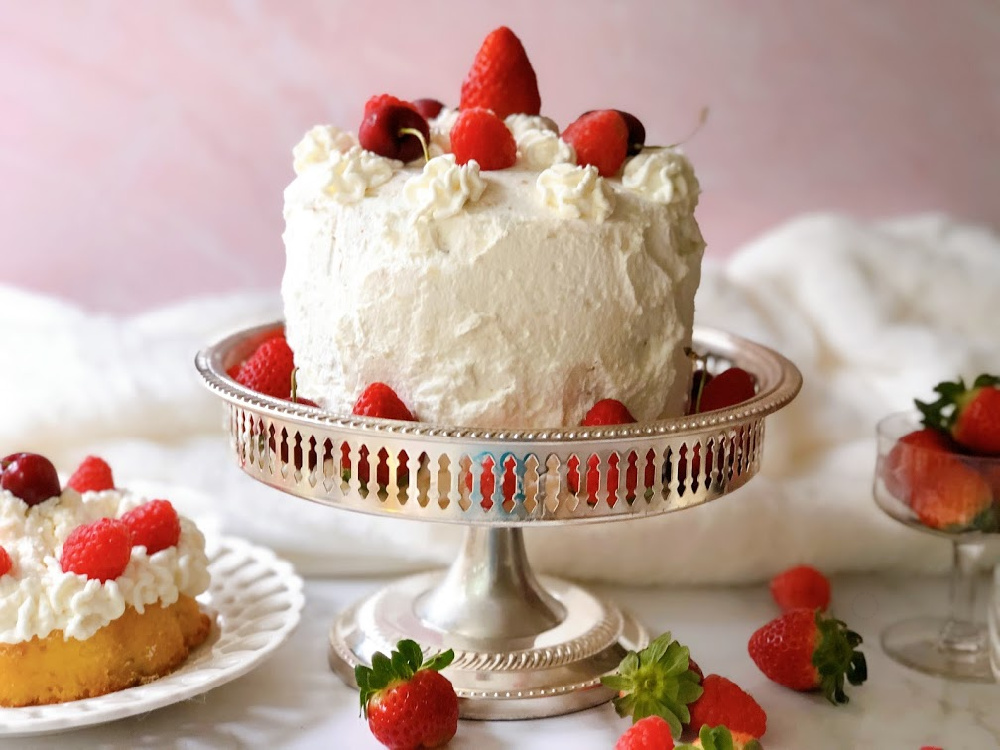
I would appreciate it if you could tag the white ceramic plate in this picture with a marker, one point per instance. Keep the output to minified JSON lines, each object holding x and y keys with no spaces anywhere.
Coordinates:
{"x":257,"y":602}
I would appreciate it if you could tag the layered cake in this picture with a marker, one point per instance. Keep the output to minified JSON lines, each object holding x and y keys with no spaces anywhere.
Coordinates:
{"x":502,"y":274}
{"x":97,"y":586}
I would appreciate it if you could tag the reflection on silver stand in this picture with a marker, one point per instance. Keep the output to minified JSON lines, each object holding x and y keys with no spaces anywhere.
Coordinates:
{"x":524,"y":647}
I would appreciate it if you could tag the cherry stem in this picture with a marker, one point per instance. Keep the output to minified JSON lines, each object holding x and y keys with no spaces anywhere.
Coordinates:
{"x":420,"y":137}
{"x":702,"y":119}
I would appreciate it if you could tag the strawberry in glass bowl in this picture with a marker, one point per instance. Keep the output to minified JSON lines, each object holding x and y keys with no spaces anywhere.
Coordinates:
{"x":938,"y":471}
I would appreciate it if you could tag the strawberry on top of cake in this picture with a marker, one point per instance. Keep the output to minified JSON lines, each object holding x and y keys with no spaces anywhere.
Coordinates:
{"x":491,"y":268}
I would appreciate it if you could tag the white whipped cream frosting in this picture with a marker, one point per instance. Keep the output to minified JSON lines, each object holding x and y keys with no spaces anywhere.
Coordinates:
{"x":573,"y":192}
{"x":442,"y":188}
{"x":37,"y":597}
{"x":346,"y":177}
{"x":318,"y":144}
{"x":664,"y":175}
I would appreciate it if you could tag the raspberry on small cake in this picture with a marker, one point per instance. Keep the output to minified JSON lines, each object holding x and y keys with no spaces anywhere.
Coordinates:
{"x":154,"y":525}
{"x":5,"y":562}
{"x":98,"y":550}
{"x":92,"y":475}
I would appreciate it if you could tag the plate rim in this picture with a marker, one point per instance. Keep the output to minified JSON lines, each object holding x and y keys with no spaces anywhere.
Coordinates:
{"x":16,"y":722}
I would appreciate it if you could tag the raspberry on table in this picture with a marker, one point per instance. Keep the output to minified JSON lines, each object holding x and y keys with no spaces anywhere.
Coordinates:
{"x":154,"y":525}
{"x":92,"y":475}
{"x":99,"y":550}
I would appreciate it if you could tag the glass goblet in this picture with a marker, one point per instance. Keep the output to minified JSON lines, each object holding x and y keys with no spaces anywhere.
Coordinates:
{"x":936,"y":490}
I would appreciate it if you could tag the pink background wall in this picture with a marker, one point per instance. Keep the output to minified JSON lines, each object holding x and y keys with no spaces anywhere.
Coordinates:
{"x":144,"y":147}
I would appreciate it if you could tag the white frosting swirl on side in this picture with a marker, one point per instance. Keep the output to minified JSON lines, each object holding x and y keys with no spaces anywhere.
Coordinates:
{"x":540,"y":149}
{"x":317,"y":145}
{"x":37,"y":597}
{"x":442,"y":188}
{"x":574,"y":192}
{"x":346,"y":177}
{"x":664,"y":175}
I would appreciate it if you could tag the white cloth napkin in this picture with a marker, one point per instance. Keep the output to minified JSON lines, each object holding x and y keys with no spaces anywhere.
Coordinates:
{"x":874,"y":314}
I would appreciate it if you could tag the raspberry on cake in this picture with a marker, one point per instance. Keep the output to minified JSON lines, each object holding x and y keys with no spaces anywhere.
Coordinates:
{"x":96,"y":588}
{"x":515,"y":293}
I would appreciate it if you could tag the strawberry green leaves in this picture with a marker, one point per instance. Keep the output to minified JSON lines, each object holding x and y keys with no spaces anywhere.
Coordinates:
{"x":656,"y":681}
{"x":398,"y":667}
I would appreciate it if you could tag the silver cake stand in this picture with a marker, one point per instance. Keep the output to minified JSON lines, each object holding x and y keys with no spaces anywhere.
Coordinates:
{"x":524,"y":646}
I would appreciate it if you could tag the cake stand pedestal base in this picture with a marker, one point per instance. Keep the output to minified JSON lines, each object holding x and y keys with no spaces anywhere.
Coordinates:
{"x":524,"y":647}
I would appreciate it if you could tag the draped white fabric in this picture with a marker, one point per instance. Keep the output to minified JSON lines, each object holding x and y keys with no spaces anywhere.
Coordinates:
{"x":874,"y":314}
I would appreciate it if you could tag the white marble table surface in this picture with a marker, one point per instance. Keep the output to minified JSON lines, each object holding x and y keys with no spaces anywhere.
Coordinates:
{"x":294,"y":701}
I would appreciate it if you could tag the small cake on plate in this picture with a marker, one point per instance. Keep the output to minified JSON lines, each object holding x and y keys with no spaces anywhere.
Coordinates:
{"x":97,"y":585}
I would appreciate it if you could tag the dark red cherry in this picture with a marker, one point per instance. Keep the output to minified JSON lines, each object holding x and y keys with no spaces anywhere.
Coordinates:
{"x":383,"y":131}
{"x":30,"y":477}
{"x":636,"y":133}
{"x":429,"y":108}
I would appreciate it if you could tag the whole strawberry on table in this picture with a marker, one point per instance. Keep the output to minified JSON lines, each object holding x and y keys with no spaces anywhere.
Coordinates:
{"x":408,"y":703}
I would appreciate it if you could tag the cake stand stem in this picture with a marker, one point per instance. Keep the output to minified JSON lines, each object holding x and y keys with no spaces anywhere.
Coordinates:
{"x":490,"y":592}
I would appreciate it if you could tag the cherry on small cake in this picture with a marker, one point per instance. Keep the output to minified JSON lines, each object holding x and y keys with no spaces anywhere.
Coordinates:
{"x":730,"y":387}
{"x":92,"y":475}
{"x":724,"y":703}
{"x":600,"y":139}
{"x":501,"y":77}
{"x":429,"y":108}
{"x":806,"y":650}
{"x":99,"y":550}
{"x":969,"y":414}
{"x":5,"y":562}
{"x":269,"y":369}
{"x":801,"y":586}
{"x":478,"y":134}
{"x":394,"y":129}
{"x":656,"y":681}
{"x":154,"y":525}
{"x":30,"y":477}
{"x":408,"y":703}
